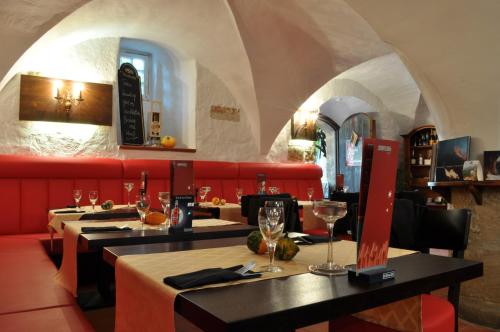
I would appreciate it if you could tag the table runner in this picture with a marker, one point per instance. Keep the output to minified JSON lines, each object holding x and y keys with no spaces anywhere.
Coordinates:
{"x":67,"y":276}
{"x":56,"y":219}
{"x":228,"y":211}
{"x":141,"y":295}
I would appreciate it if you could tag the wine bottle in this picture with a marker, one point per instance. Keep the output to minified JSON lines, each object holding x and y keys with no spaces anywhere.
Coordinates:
{"x":174,"y":219}
{"x":144,"y":183}
{"x":413,"y":160}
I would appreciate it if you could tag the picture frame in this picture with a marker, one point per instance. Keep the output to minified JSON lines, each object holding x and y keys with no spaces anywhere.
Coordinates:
{"x":302,"y":128}
{"x":492,"y":165}
{"x":451,"y":155}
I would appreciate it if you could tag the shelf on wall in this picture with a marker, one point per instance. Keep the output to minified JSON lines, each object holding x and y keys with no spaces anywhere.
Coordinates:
{"x":474,"y":187}
{"x":155,"y":148}
{"x":421,"y":147}
{"x":420,"y":165}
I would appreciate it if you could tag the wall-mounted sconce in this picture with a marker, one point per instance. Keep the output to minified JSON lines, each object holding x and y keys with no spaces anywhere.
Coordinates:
{"x":67,"y":95}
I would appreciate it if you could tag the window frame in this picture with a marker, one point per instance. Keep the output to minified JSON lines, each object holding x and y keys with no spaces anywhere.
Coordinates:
{"x":147,"y":58}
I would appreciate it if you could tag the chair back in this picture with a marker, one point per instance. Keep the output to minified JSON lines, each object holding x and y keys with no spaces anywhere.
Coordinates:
{"x":290,"y":206}
{"x":344,"y":225}
{"x":405,"y":228}
{"x":446,"y":229}
{"x":245,"y":199}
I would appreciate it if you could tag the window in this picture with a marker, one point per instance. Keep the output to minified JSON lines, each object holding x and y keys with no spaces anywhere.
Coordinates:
{"x":329,"y":164}
{"x":142,"y":62}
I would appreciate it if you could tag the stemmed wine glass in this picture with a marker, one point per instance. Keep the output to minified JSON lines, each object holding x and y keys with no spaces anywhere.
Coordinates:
{"x":128,"y":186}
{"x":164,"y":197}
{"x":142,"y":204}
{"x":239,"y":193}
{"x":271,"y":224}
{"x":93,"y":196}
{"x":310,"y":192}
{"x":204,"y":192}
{"x":274,"y":190}
{"x":77,"y":196}
{"x":329,"y":211}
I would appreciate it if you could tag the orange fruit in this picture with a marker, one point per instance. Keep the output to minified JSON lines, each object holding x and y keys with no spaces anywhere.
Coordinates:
{"x":222,"y":201}
{"x":168,"y":141}
{"x":155,"y":218}
{"x":215,"y":201}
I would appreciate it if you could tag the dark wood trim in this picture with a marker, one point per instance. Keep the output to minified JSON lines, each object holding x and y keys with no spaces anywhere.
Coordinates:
{"x":474,"y":187}
{"x":155,"y":148}
{"x":96,"y":241}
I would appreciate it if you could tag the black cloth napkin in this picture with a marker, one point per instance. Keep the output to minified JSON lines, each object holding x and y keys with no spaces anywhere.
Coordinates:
{"x":206,"y":277}
{"x":67,"y":211}
{"x":100,"y":229}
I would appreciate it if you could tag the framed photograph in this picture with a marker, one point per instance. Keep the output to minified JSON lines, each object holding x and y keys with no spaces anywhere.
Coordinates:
{"x":303,"y":128}
{"x":492,"y":165}
{"x":451,"y":155}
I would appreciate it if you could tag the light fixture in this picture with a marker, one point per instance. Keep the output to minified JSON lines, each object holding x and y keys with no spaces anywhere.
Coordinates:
{"x":68,"y":95}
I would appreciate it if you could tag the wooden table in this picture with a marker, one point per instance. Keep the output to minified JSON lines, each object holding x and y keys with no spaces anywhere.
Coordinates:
{"x":96,"y":241}
{"x":305,"y":299}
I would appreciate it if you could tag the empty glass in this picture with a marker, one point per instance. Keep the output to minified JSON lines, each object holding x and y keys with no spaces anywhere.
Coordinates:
{"x":93,"y":196}
{"x":274,"y":190}
{"x":329,"y":211}
{"x":239,"y":193}
{"x":271,"y":224}
{"x":128,"y":186}
{"x":142,"y":204}
{"x":310,"y":193}
{"x":77,"y":196}
{"x":164,"y":197}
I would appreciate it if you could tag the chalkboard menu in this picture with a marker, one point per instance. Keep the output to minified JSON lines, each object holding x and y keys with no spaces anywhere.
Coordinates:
{"x":129,"y":95}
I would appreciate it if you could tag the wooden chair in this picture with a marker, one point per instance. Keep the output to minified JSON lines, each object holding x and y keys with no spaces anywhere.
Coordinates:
{"x":440,"y":229}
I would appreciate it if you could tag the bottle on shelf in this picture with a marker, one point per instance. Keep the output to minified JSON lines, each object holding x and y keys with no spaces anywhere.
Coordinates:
{"x":413,"y":160}
{"x":144,"y":183}
{"x":420,"y":159}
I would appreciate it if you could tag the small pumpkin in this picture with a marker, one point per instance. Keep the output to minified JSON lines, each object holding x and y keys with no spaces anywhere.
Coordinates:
{"x":107,"y":205}
{"x":286,"y":249}
{"x":256,"y":243}
{"x":155,"y":218}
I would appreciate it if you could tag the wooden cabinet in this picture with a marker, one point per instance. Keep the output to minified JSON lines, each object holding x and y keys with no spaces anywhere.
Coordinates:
{"x":418,"y":148}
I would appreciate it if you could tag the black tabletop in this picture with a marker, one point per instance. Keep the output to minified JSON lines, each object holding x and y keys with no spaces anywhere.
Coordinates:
{"x":301,"y":300}
{"x":95,"y":241}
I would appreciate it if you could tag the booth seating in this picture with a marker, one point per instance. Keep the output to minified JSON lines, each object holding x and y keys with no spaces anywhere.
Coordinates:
{"x":31,"y":185}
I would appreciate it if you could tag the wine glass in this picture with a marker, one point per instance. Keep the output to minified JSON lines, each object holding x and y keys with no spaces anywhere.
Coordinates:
{"x":329,"y":211}
{"x":239,"y":193}
{"x":207,"y":189}
{"x":310,"y":192}
{"x":203,"y":193}
{"x":128,"y":186}
{"x":273,"y":190}
{"x":77,"y":196}
{"x":271,"y":224}
{"x":93,"y":196}
{"x":164,"y":197}
{"x":142,"y":204}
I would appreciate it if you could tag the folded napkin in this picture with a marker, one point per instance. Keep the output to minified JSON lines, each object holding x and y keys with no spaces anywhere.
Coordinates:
{"x":67,"y":211}
{"x":206,"y":277}
{"x":104,"y":229}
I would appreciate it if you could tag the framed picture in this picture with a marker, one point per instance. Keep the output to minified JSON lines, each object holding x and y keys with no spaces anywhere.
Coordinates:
{"x":353,"y":153}
{"x":451,"y":155}
{"x":492,"y":165}
{"x":303,"y":128}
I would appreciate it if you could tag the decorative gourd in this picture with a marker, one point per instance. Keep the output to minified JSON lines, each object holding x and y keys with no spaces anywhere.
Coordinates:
{"x":107,"y":205}
{"x":286,"y":249}
{"x":155,"y":218}
{"x":256,"y":243}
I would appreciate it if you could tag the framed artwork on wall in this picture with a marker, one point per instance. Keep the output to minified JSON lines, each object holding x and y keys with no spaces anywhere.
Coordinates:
{"x":451,"y":155}
{"x":492,"y":165}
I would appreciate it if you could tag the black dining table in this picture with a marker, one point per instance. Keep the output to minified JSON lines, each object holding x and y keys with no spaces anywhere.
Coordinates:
{"x":287,"y":303}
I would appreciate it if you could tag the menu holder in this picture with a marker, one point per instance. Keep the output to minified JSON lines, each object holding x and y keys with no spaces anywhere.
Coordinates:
{"x":376,"y":201}
{"x":182,"y":195}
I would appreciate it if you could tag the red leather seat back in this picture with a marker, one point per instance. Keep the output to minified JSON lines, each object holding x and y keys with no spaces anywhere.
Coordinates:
{"x":158,"y":178}
{"x":289,"y":178}
{"x":31,"y":185}
{"x":220,"y":176}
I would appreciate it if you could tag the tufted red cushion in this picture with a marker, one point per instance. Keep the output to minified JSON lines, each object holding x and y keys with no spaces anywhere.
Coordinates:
{"x":60,"y":319}
{"x":157,"y":169}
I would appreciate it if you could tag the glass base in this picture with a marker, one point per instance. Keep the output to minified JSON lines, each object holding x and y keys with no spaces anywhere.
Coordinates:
{"x":271,"y":268}
{"x":328,"y":269}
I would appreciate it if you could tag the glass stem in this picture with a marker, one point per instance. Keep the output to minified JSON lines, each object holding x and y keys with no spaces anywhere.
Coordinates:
{"x":271,"y":247}
{"x":329,"y":259}
{"x":128,"y":198}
